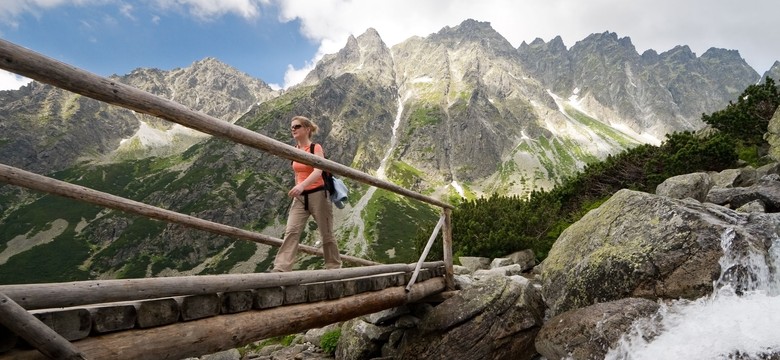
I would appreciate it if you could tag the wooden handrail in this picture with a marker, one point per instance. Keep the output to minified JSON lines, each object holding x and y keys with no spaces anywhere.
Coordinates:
{"x":14,"y":176}
{"x":33,"y":65}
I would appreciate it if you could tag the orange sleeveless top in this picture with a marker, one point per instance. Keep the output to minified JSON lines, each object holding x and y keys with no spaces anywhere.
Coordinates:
{"x":302,"y":171}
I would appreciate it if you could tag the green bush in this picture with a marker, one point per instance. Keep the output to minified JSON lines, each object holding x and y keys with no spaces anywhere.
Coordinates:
{"x":330,"y":340}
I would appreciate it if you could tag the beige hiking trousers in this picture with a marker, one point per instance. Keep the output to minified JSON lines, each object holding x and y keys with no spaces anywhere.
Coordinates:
{"x":321,"y":208}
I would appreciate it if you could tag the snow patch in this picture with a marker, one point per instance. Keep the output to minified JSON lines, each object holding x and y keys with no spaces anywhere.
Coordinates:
{"x":645,"y":137}
{"x":150,"y":137}
{"x":422,"y":79}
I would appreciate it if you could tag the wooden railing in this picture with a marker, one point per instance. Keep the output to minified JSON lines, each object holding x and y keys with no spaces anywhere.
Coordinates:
{"x":38,"y":67}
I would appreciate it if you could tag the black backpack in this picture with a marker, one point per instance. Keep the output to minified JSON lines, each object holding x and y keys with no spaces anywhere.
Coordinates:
{"x":327,"y":177}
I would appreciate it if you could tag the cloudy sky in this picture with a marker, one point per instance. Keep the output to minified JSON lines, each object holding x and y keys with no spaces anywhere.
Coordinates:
{"x":278,"y":41}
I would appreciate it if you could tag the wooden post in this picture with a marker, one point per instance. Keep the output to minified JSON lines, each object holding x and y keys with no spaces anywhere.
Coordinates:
{"x":28,"y":327}
{"x":449,"y":274}
{"x":424,"y":254}
{"x":33,"y":181}
{"x":209,"y":335}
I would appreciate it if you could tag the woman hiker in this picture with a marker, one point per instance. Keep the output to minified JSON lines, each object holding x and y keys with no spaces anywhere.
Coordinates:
{"x":308,"y":198}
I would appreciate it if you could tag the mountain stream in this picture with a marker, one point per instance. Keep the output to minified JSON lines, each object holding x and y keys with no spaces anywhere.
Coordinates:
{"x":357,"y":244}
{"x":738,"y":321}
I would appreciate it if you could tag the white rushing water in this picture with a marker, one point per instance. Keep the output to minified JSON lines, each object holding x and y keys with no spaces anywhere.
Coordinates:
{"x":741,"y":317}
{"x":358,"y":244}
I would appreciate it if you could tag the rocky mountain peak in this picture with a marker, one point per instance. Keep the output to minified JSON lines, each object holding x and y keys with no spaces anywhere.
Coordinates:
{"x":607,"y":40}
{"x":474,"y":32}
{"x":722,"y":55}
{"x":680,"y":53}
{"x":773,"y":72}
{"x":367,"y":55}
{"x":555,"y":45}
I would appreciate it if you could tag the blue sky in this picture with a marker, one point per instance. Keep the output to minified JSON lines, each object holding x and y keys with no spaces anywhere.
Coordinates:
{"x":279,"y":41}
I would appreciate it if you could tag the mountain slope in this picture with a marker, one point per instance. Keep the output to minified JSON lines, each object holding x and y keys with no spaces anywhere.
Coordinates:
{"x":458,"y":113}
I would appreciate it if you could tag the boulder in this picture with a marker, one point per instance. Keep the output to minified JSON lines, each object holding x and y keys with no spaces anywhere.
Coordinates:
{"x":588,"y":333}
{"x":643,"y":245}
{"x":768,"y":169}
{"x":525,"y":258}
{"x":693,"y":186}
{"x":361,"y":340}
{"x":508,"y":270}
{"x":767,"y":191}
{"x":730,"y":178}
{"x":497,"y":318}
{"x":499,"y":262}
{"x":313,"y":336}
{"x":474,"y":263}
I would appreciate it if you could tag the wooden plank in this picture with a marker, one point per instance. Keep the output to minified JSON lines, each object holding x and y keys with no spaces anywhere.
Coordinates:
{"x":237,"y":301}
{"x":198,"y":306}
{"x":349,"y":287}
{"x":316,"y":292}
{"x":33,"y":65}
{"x":112,"y":318}
{"x":209,"y":335}
{"x":71,"y":324}
{"x":269,"y":297}
{"x":158,"y":312}
{"x":47,"y":342}
{"x":294,"y":294}
{"x":56,"y":295}
{"x":335,"y":289}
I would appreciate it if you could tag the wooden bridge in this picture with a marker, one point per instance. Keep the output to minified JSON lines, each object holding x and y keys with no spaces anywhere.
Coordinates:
{"x":178,"y":317}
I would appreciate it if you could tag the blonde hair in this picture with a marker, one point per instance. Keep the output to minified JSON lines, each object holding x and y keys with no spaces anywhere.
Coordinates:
{"x":307,"y":123}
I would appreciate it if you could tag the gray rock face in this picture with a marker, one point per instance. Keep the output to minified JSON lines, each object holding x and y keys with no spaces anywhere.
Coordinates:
{"x":588,"y":333}
{"x":772,"y":135}
{"x":640,"y":88}
{"x":642,"y":245}
{"x":45,"y":129}
{"x":497,"y":318}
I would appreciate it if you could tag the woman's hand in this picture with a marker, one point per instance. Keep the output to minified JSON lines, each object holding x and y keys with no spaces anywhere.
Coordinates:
{"x":295,"y":191}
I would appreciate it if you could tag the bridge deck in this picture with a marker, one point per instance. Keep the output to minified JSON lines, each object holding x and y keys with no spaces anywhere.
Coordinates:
{"x":208,"y":321}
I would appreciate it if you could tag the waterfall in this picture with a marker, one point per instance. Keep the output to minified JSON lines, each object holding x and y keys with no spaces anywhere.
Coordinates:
{"x":738,"y":321}
{"x":357,"y":242}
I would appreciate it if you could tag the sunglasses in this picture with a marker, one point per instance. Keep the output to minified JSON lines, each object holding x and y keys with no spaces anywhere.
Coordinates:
{"x":296,"y":127}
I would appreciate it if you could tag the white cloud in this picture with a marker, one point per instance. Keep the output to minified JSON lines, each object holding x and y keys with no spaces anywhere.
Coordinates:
{"x":651,"y":24}
{"x":11,"y":8}
{"x":127,"y":11}
{"x":11,"y":81}
{"x":295,"y":76}
{"x":209,"y":9}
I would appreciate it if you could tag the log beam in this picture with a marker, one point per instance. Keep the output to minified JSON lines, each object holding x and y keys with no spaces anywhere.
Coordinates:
{"x":56,"y":295}
{"x":210,"y":335}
